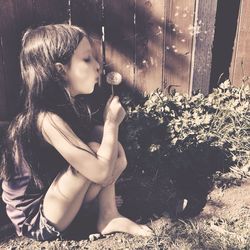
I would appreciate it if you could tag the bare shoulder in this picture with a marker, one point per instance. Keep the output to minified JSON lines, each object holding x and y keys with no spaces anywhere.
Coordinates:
{"x":47,"y":119}
{"x":49,"y":124}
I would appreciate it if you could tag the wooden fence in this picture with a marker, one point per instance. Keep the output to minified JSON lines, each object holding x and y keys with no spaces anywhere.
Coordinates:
{"x":153,"y":43}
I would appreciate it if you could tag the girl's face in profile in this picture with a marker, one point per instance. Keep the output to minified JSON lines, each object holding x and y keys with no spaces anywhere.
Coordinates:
{"x":82,"y":73}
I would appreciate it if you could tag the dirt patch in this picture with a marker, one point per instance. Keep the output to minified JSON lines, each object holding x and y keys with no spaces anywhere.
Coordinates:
{"x":230,"y":204}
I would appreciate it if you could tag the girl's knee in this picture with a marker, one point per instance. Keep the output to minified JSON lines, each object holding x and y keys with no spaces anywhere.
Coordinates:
{"x":124,"y":162}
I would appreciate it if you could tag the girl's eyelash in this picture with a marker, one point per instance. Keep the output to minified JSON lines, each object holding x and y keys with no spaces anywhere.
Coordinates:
{"x":87,"y":59}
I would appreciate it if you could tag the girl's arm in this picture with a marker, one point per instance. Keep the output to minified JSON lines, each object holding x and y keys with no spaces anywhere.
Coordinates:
{"x":121,"y":164}
{"x":121,"y":161}
{"x":96,"y":168}
{"x":97,"y":134}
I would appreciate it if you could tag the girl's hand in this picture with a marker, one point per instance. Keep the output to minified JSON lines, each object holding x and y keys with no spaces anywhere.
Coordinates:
{"x":114,"y":112}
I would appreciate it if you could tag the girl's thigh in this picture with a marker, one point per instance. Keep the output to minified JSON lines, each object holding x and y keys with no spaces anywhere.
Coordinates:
{"x":64,"y":198}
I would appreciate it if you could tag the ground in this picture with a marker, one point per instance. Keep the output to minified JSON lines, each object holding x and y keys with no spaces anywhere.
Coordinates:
{"x":224,"y":223}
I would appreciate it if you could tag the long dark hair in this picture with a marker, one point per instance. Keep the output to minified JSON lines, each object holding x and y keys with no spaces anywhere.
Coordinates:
{"x":43,"y":91}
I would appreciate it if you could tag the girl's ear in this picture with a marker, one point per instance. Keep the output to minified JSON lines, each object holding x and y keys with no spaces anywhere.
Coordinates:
{"x":60,"y":73}
{"x":60,"y":68}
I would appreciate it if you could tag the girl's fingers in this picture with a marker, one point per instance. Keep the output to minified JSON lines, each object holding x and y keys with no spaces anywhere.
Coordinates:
{"x":110,"y":99}
{"x":116,"y":98}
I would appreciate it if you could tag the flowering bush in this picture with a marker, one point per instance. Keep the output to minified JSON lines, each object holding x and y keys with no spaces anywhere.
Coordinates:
{"x":192,"y":134}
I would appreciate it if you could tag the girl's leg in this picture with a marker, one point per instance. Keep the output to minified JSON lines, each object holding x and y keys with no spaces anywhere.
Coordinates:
{"x":64,"y":198}
{"x":66,"y":195}
{"x":109,"y":218}
{"x":111,"y":221}
{"x":70,"y":189}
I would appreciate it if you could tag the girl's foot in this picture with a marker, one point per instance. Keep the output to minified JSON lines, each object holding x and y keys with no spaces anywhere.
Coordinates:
{"x":119,"y":223}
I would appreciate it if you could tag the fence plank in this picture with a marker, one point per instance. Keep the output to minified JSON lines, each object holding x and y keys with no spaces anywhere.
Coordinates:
{"x":50,"y":11}
{"x":119,"y":33}
{"x":12,"y":18}
{"x":240,"y":65}
{"x":204,"y":29}
{"x":3,"y":99}
{"x":227,"y":12}
{"x":15,"y":17}
{"x":87,"y":14}
{"x":149,"y":44}
{"x":178,"y":47}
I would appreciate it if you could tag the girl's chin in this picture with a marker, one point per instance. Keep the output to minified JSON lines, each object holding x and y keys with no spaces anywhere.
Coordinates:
{"x":86,"y":92}
{"x":89,"y":92}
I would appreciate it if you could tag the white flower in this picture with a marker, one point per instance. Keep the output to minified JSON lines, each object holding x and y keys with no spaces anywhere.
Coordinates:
{"x":114,"y":78}
{"x":174,"y":141}
{"x":225,"y":84}
{"x":167,"y":109}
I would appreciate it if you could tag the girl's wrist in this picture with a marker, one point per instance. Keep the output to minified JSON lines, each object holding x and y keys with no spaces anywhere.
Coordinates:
{"x":108,"y":125}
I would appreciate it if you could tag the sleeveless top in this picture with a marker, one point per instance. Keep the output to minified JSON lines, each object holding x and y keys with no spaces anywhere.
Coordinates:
{"x":20,"y":194}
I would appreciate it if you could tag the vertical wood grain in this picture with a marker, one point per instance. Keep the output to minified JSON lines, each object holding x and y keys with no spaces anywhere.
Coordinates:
{"x":204,"y":35}
{"x":10,"y":81}
{"x":227,"y":13}
{"x":240,"y":65}
{"x":179,"y":35}
{"x":15,"y":17}
{"x":119,"y":32}
{"x":149,"y":44}
{"x":50,"y":11}
{"x":87,"y":14}
{"x":3,"y":87}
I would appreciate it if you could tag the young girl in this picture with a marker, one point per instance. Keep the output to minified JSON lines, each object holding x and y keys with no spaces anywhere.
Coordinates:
{"x":55,"y":159}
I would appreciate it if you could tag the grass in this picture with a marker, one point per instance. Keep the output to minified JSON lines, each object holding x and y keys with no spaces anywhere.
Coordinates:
{"x":227,"y":227}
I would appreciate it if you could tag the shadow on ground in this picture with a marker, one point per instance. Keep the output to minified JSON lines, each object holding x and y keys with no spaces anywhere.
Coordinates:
{"x":188,"y":174}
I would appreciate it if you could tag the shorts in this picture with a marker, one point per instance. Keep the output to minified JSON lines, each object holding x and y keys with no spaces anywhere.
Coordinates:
{"x":40,"y":228}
